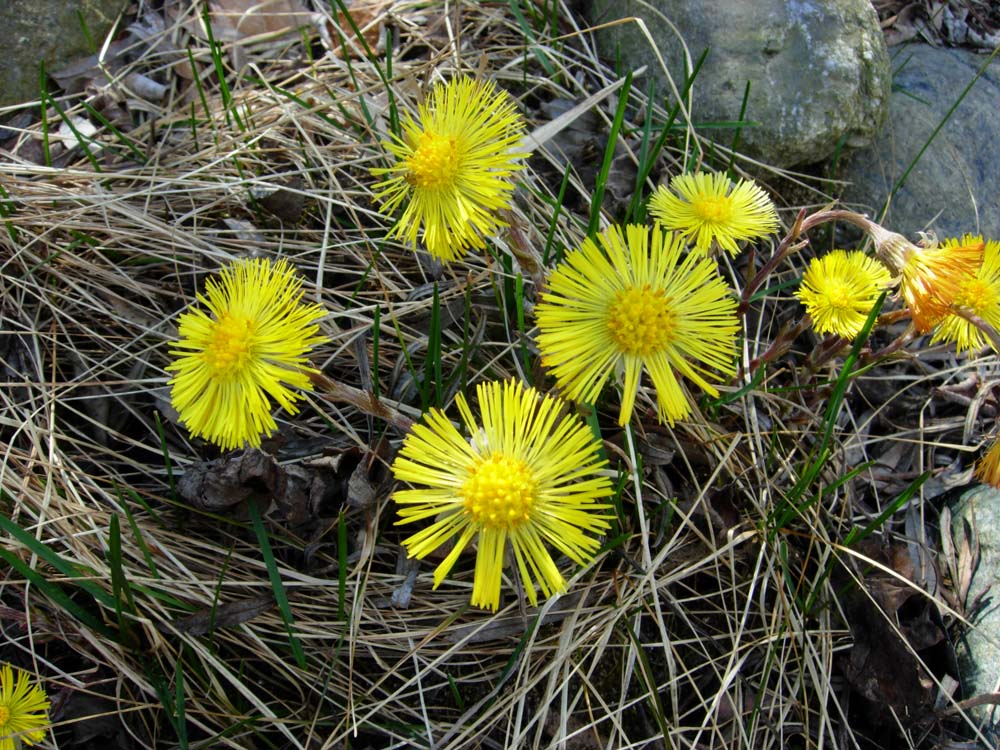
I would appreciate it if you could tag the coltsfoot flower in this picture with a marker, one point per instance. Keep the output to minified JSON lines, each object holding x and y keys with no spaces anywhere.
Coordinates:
{"x":525,"y":477}
{"x":249,"y":345}
{"x":988,"y":467}
{"x":839,"y":290}
{"x":979,"y":294}
{"x":24,"y":709}
{"x":634,"y":303}
{"x":930,"y":277}
{"x":453,"y":167}
{"x":709,"y":206}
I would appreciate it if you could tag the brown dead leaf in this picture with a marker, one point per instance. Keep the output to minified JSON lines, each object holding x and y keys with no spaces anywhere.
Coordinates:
{"x":226,"y":615}
{"x":222,"y":485}
{"x":905,"y":25}
{"x":369,"y":18}
{"x":891,"y":623}
{"x":239,"y":20}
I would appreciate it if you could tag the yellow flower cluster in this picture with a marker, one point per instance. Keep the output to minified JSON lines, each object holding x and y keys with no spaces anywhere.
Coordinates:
{"x":528,"y":474}
{"x":630,"y":303}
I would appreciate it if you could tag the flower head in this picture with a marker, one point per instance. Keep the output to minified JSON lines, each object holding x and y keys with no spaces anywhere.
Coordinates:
{"x":839,"y":290}
{"x":24,"y":709}
{"x":250,"y":344}
{"x":453,"y":167}
{"x":930,"y":277}
{"x":710,"y":207}
{"x":979,"y":294}
{"x":988,"y":467}
{"x":634,"y":303}
{"x":525,"y":477}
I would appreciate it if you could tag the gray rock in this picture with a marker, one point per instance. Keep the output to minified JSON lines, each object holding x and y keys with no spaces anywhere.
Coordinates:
{"x":979,"y":650}
{"x":818,"y":69}
{"x":954,"y":187}
{"x":49,"y":30}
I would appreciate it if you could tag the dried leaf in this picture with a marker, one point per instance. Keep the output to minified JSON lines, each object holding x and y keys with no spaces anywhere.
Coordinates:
{"x":221,"y":485}
{"x":227,"y":615}
{"x":369,"y":18}
{"x":237,"y":20}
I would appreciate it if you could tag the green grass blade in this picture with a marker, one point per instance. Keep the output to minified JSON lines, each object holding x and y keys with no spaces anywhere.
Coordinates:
{"x":50,"y":556}
{"x":143,"y":547}
{"x":276,"y":585}
{"x":55,"y":594}
{"x":609,"y":153}
{"x":124,"y":601}
{"x":341,"y":567}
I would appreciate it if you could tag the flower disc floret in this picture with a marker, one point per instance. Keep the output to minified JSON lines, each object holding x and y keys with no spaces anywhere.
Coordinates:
{"x":839,"y":290}
{"x":248,"y":344}
{"x":526,"y":478}
{"x":24,"y":709}
{"x":978,"y":294}
{"x":454,"y":167}
{"x":710,"y":207}
{"x":632,"y":301}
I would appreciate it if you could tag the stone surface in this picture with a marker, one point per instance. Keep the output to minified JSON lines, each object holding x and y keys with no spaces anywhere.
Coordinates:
{"x":49,"y":30}
{"x":818,"y":69}
{"x":954,"y":187}
{"x":979,"y":650}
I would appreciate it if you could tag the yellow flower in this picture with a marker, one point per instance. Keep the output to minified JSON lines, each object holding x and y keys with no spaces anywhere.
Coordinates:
{"x":251,"y":344}
{"x":24,"y":709}
{"x":980,"y":294}
{"x":525,"y":477}
{"x":930,"y":277}
{"x":988,"y":468}
{"x":839,"y":290}
{"x":453,"y":167}
{"x":630,"y":305}
{"x":709,"y":207}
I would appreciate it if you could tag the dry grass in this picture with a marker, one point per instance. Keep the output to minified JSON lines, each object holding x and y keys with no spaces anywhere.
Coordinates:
{"x":716,"y":621}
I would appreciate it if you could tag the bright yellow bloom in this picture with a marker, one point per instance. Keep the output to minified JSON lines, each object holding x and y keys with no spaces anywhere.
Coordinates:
{"x":979,"y":294}
{"x":988,"y":467}
{"x":930,"y":277}
{"x":525,"y":477}
{"x":453,"y":167}
{"x":24,"y":709}
{"x":632,"y":304}
{"x":839,"y":290}
{"x":251,"y":344}
{"x":710,"y":207}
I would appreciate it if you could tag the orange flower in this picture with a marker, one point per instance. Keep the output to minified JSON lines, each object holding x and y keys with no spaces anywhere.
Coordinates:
{"x":988,"y":468}
{"x":930,"y":277}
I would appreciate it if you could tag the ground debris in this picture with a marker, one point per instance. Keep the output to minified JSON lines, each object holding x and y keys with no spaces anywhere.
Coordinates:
{"x":894,"y":630}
